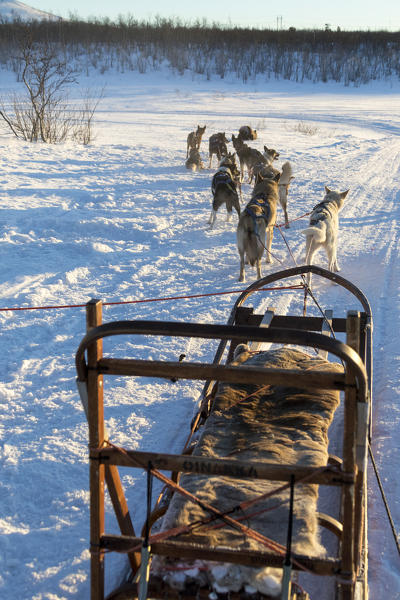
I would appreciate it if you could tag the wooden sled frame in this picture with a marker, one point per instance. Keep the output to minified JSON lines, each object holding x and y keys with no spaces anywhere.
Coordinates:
{"x":350,"y":473}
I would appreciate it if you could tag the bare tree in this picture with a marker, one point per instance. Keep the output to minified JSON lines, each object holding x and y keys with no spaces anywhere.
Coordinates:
{"x":44,"y":112}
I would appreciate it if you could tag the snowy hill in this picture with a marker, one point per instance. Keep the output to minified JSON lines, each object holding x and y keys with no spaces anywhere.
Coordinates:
{"x":12,"y":10}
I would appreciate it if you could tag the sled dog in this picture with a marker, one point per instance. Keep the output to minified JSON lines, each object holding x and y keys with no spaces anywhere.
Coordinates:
{"x":194,"y":139}
{"x":247,"y":133}
{"x":256,"y":222}
{"x":270,"y":154}
{"x":248,"y":157}
{"x":323,"y":228}
{"x":224,"y":188}
{"x":262,"y":171}
{"x":194,"y":162}
{"x":217,"y":145}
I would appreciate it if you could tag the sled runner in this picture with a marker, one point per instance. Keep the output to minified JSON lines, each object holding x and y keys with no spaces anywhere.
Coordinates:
{"x":257,"y":505}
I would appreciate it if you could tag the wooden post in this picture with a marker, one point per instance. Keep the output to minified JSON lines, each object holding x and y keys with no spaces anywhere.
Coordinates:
{"x":348,"y":570}
{"x":360,"y":514}
{"x":96,"y":440}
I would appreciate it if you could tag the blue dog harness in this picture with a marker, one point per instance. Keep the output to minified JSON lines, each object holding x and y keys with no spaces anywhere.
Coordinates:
{"x":223,"y":177}
{"x":259,"y":200}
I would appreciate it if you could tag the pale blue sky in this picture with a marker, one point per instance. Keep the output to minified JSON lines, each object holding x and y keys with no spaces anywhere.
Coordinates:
{"x":347,"y":14}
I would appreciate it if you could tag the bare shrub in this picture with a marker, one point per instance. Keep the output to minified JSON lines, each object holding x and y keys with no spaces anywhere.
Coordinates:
{"x":305,"y":128}
{"x":82,"y":131}
{"x":44,"y":112}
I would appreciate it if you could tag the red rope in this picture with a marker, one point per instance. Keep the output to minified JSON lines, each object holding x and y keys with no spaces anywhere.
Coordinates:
{"x":296,"y":219}
{"x":289,"y":287}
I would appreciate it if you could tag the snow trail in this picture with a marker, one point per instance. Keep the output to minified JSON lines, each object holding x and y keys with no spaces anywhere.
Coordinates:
{"x":123,"y":219}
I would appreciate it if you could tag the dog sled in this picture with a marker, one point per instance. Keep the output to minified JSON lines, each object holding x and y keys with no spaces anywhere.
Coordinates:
{"x":256,"y":506}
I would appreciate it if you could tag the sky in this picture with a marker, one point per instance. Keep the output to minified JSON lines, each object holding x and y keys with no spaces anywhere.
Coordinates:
{"x":346,"y":14}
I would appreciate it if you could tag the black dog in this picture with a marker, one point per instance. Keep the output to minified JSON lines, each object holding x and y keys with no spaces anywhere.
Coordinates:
{"x":223,"y":187}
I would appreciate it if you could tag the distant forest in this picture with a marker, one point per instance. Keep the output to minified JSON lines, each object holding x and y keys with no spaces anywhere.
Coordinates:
{"x":349,"y":57}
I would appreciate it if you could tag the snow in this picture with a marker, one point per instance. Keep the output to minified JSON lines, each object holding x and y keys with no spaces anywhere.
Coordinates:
{"x":122,"y":219}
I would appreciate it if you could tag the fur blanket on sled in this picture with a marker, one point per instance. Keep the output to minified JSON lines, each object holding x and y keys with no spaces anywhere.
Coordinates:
{"x":253,"y":423}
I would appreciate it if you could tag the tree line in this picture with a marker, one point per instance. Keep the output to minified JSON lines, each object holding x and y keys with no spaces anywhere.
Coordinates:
{"x":209,"y":50}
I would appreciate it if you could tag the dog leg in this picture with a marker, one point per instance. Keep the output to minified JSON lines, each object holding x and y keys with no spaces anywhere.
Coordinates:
{"x":332,"y":259}
{"x":283,"y":194}
{"x":258,"y":266}
{"x":242,"y":276}
{"x":311,"y":247}
{"x":236,"y":205}
{"x":212,"y":218}
{"x":270,"y":235}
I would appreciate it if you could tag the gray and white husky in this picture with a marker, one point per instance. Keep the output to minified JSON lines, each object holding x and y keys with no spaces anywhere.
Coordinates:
{"x":324,"y":228}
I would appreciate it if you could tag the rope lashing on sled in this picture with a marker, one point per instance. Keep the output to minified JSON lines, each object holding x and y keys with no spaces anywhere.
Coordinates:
{"x":217,"y":514}
{"x":271,"y":544}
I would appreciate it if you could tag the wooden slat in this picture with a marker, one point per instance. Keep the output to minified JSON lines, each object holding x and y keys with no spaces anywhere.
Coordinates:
{"x":265,"y":322}
{"x":251,"y":558}
{"x":220,"y":466}
{"x":229,"y":374}
{"x":121,"y":510}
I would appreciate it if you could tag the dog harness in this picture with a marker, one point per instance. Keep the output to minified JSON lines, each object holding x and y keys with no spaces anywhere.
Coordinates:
{"x":321,"y":211}
{"x":223,"y":177}
{"x":259,"y":200}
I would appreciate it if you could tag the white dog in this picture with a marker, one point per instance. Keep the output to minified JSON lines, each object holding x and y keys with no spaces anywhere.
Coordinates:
{"x":324,"y":227}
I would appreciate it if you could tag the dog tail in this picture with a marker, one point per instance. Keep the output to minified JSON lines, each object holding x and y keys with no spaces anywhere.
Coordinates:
{"x":251,"y":245}
{"x":287,"y":174}
{"x":318,"y":233}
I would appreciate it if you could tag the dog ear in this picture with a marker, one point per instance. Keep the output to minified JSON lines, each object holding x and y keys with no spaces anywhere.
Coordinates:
{"x":277,"y":176}
{"x":344,"y":194}
{"x":265,"y":149}
{"x":327,"y":189}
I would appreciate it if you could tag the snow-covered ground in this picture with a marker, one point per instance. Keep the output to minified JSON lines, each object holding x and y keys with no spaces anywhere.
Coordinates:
{"x":122,"y":219}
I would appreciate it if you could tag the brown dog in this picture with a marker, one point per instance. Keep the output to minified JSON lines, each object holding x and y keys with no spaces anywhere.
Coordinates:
{"x":194,"y":139}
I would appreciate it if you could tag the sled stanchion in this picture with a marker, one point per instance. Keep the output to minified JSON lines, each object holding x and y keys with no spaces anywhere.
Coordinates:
{"x":96,"y":440}
{"x":287,"y":567}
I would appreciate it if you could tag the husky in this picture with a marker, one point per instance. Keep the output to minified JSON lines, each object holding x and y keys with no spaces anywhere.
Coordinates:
{"x":270,"y":154}
{"x":248,"y":157}
{"x":194,"y":139}
{"x":194,"y":162}
{"x":224,"y":188}
{"x":257,"y":220}
{"x":324,"y":226}
{"x":261,"y":172}
{"x":247,"y":133}
{"x":217,"y":145}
